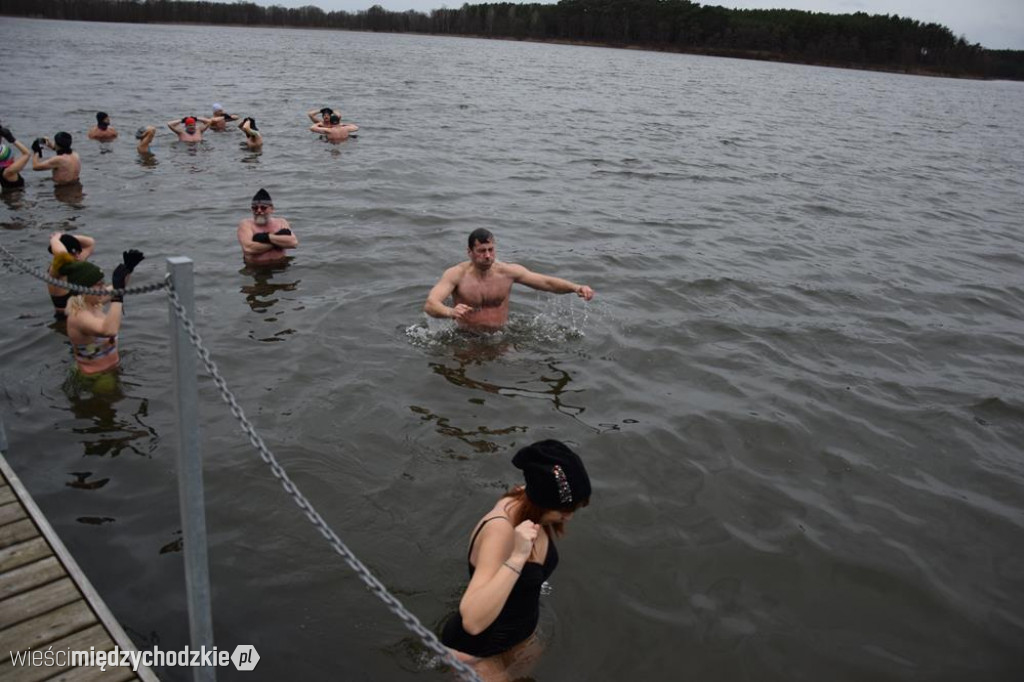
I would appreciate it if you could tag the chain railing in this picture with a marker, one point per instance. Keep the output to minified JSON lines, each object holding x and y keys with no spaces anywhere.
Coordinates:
{"x":409,"y":620}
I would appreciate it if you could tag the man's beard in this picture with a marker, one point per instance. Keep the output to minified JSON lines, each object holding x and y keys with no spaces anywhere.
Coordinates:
{"x":261,"y":219}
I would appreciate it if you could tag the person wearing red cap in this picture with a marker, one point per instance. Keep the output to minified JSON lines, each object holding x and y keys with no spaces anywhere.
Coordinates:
{"x":191,"y":131}
{"x":511,"y":554}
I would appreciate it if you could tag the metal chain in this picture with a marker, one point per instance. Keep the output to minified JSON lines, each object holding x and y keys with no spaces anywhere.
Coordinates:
{"x":408,"y":619}
{"x":75,"y":288}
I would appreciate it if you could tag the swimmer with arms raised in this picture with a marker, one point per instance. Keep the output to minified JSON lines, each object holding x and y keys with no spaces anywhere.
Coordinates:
{"x":480,"y":287}
{"x":334,"y":130}
{"x":91,"y":329}
{"x":10,"y":167}
{"x":191,"y":132}
{"x":66,"y":248}
{"x":66,"y":166}
{"x":253,"y":136}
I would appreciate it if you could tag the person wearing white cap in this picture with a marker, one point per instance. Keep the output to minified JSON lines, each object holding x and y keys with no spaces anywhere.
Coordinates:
{"x":220,"y":118}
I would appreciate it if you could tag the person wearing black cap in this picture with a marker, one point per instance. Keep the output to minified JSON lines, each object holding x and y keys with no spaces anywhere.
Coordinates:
{"x":66,"y":165}
{"x":91,"y":329}
{"x":66,"y":248}
{"x":102,"y":130}
{"x":511,"y":553}
{"x":263,"y":237}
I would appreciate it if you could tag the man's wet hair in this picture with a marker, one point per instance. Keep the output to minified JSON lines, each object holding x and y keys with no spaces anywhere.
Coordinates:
{"x":480,"y":236}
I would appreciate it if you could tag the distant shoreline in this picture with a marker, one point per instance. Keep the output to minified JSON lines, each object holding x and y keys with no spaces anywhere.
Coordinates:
{"x":731,"y":53}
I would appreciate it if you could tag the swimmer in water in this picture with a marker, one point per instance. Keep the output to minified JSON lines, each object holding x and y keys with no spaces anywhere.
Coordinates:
{"x":324,"y":113}
{"x":220,"y":119}
{"x":511,"y":554}
{"x":191,"y":131}
{"x":145,"y":136}
{"x":264,"y":238}
{"x":253,"y":137}
{"x":335,"y":131}
{"x":66,"y":165}
{"x":66,"y":248}
{"x":91,"y":329}
{"x":481,"y":287}
{"x":10,"y":167}
{"x":102,"y":130}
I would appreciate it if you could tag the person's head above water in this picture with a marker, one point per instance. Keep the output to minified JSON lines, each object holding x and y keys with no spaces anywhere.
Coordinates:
{"x":82,"y":273}
{"x":335,"y":119}
{"x":480,"y":236}
{"x":102,"y":120}
{"x":218,"y":109}
{"x":6,"y":155}
{"x":555,"y":476}
{"x":62,"y":141}
{"x":262,"y":207}
{"x":190,"y":123}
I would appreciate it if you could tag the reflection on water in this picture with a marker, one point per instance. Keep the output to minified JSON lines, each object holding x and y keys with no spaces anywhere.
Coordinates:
{"x":262,"y":295}
{"x":93,"y":400}
{"x":70,"y":194}
{"x":147,"y":160}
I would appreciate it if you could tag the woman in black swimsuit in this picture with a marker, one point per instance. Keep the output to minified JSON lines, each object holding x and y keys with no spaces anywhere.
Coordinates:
{"x":66,"y":248}
{"x":511,"y":553}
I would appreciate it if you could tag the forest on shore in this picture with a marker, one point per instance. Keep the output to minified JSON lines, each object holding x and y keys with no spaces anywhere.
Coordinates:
{"x":882,"y":42}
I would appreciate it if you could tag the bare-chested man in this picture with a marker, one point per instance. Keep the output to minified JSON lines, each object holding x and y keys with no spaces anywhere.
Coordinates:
{"x":480,"y":287}
{"x":325,"y":115}
{"x":220,"y":118}
{"x":66,"y":166}
{"x":102,"y":130}
{"x":191,"y":132}
{"x":264,"y":238}
{"x":253,"y":136}
{"x":334,"y":130}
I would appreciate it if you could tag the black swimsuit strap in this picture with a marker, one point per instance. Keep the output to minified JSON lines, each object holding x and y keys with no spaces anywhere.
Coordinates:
{"x":478,"y":529}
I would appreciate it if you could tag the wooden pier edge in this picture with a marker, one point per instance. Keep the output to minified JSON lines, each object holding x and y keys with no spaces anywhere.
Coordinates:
{"x":92,"y":597}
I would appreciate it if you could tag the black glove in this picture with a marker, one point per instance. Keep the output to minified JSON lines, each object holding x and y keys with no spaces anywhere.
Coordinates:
{"x":37,"y":145}
{"x":7,"y":134}
{"x":118,"y":280}
{"x":284,"y":232}
{"x":261,"y":237}
{"x":132,"y":257}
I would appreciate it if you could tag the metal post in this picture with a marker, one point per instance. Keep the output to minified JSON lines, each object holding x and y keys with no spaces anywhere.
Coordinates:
{"x":190,"y":468}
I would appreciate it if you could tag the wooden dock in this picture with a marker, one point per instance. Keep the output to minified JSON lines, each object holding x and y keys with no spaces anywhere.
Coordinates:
{"x":46,"y":602}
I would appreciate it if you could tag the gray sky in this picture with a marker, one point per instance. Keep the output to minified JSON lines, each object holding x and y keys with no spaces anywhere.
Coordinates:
{"x":996,"y":24}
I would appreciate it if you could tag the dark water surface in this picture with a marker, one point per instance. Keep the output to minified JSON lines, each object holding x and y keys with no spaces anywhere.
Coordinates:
{"x":798,"y":390}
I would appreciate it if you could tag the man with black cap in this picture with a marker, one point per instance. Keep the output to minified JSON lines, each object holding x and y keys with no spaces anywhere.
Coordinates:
{"x":511,"y":558}
{"x":263,"y":237}
{"x":66,"y":165}
{"x":102,"y":130}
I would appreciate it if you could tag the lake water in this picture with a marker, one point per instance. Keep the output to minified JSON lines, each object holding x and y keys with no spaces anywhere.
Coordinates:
{"x":798,"y":389}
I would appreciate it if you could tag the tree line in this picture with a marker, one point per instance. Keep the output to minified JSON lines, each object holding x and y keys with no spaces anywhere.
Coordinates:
{"x":855,"y":40}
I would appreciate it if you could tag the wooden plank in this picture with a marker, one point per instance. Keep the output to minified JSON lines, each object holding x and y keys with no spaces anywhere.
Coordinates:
{"x":30,"y":576}
{"x":95,"y":636}
{"x":37,"y":602}
{"x":6,"y":494}
{"x":94,"y":674}
{"x":46,"y":628}
{"x":11,"y":512}
{"x":16,"y":532}
{"x":95,"y":604}
{"x":23,"y":553}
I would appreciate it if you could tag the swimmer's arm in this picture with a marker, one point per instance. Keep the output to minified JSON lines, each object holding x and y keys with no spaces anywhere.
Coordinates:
{"x":175,"y":126}
{"x":92,"y":132}
{"x":312,"y":115}
{"x":350,"y":127}
{"x":249,"y":247}
{"x":317,"y":128}
{"x":492,"y":580}
{"x":39,"y":164}
{"x":445,"y":287}
{"x":101,"y":325}
{"x":285,"y":241}
{"x":206,"y":123}
{"x":88,"y":245}
{"x":555,"y":285}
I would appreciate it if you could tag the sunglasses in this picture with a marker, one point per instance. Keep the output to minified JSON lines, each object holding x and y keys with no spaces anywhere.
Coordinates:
{"x":261,"y":208}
